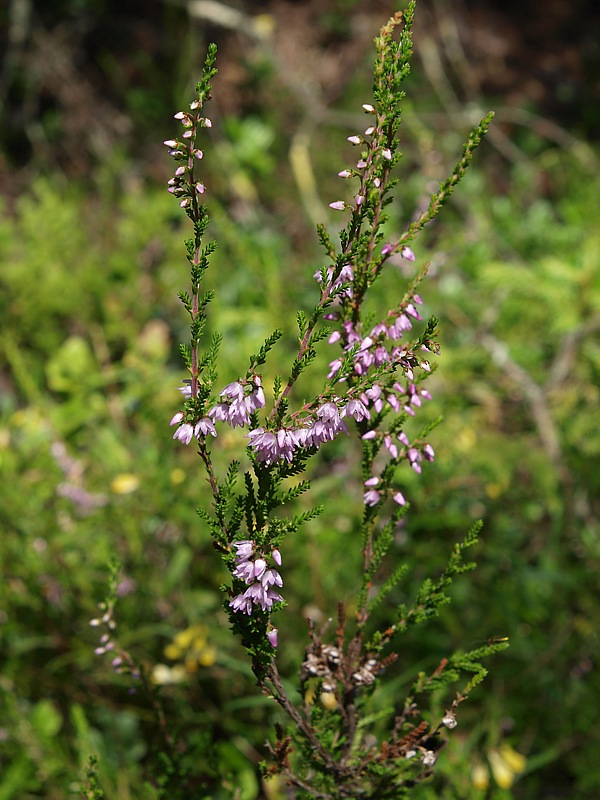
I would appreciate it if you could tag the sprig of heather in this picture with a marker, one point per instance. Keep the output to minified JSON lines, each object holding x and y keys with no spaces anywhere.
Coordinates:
{"x":189,"y":189}
{"x":374,"y":389}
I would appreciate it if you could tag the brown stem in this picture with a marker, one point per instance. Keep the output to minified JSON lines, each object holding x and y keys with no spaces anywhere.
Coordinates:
{"x":301,"y":723}
{"x":205,"y":456}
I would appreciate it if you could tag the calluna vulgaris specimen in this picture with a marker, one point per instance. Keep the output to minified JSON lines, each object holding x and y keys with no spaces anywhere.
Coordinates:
{"x":373,"y":390}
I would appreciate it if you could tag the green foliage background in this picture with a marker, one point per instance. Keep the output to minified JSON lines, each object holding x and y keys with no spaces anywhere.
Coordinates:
{"x":90,"y":266}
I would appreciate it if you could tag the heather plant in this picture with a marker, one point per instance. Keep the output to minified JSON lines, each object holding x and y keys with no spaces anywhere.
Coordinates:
{"x":337,"y":738}
{"x":88,"y":380}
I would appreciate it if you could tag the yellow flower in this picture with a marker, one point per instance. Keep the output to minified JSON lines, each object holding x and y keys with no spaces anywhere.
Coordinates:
{"x":172,"y":652}
{"x":506,"y":764}
{"x":125,"y":483}
{"x":177,"y":476}
{"x":516,"y":761}
{"x":192,"y":646}
{"x":480,"y":776}
{"x":328,"y":701}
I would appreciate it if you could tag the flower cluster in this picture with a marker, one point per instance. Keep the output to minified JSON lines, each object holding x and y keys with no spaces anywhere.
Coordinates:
{"x":237,"y":401}
{"x":313,"y":431}
{"x":185,"y":152}
{"x":252,"y":569}
{"x":186,"y":430}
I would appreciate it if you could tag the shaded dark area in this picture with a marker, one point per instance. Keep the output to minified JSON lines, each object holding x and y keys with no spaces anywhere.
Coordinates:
{"x":78,"y":79}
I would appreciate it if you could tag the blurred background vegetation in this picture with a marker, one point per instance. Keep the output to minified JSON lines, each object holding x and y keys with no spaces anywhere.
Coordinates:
{"x":91,"y":260}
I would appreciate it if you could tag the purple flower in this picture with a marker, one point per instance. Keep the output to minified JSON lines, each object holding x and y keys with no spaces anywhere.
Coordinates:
{"x":428,"y":452}
{"x":390,"y":446}
{"x":242,"y":604}
{"x":410,"y":309}
{"x":334,"y":367}
{"x":237,"y":403}
{"x":260,"y":596}
{"x":248,"y":571}
{"x":357,"y":409}
{"x":260,"y":580}
{"x":371,"y":497}
{"x":339,"y":205}
{"x":373,"y":395}
{"x":204,"y":427}
{"x":272,"y":637}
{"x":184,"y":433}
{"x":244,"y":548}
{"x":414,"y":458}
{"x":270,"y":447}
{"x":271,"y":577}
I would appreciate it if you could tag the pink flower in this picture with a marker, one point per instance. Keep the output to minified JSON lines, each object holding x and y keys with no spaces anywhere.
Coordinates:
{"x":184,"y":433}
{"x":204,"y":427}
{"x":244,"y":548}
{"x":357,"y":409}
{"x":428,"y":452}
{"x":390,"y":446}
{"x":371,"y":497}
{"x":334,"y":367}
